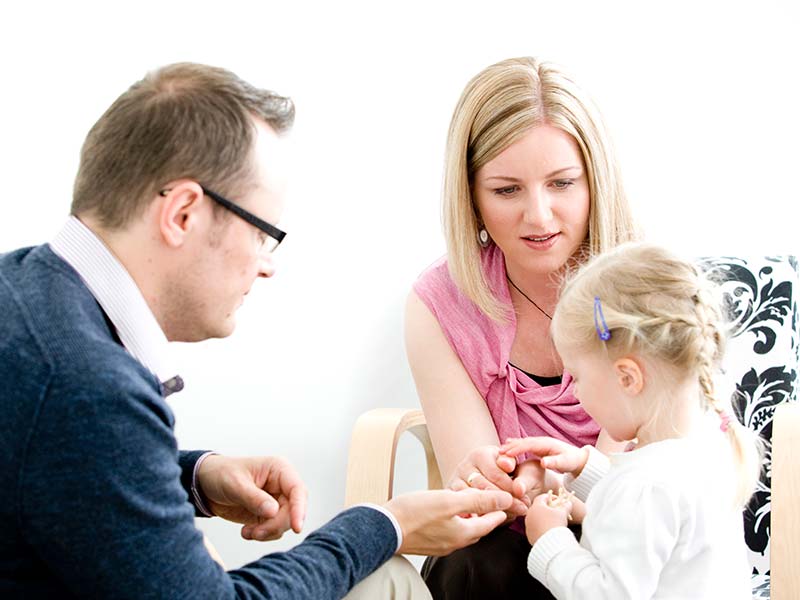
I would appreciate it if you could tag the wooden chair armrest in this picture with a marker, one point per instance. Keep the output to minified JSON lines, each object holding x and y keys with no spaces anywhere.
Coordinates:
{"x":785,"y":526}
{"x":373,"y":446}
{"x":213,"y":551}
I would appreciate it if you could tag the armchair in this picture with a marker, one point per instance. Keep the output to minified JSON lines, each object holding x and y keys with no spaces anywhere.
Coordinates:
{"x":760,"y":370}
{"x":213,"y":551}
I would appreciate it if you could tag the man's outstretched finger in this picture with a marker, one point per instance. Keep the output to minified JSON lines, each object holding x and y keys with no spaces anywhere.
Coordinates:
{"x":481,"y":501}
{"x":481,"y":525}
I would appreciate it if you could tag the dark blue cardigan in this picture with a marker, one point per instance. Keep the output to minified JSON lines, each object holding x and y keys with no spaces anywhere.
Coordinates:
{"x":91,"y":498}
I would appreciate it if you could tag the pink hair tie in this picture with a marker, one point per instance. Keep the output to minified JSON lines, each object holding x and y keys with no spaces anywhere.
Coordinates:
{"x":725,"y":419}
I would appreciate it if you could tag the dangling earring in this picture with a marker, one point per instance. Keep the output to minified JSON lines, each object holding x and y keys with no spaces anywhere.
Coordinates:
{"x":483,"y":237}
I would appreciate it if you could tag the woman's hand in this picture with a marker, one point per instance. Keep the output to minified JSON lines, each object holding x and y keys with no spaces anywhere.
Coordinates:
{"x":529,"y":481}
{"x":542,"y":517}
{"x":552,"y":453}
{"x":485,"y":469}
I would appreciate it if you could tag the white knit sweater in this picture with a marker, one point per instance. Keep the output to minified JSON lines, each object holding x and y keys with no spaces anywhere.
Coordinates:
{"x":659,"y":524}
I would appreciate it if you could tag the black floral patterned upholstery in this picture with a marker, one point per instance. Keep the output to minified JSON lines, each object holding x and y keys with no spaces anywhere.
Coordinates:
{"x":760,"y":369}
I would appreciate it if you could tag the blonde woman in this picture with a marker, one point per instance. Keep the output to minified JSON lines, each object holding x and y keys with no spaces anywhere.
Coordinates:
{"x":641,"y":332}
{"x":531,"y":188}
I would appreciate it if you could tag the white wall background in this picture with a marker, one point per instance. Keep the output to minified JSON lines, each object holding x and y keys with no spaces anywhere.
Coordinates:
{"x":702,"y":100}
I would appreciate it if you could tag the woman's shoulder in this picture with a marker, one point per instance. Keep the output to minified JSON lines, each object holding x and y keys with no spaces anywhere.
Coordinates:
{"x":437,"y":281}
{"x":436,"y":287}
{"x":458,"y":316}
{"x":435,"y":273}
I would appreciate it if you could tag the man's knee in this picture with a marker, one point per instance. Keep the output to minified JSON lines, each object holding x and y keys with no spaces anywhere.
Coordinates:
{"x":397,"y":579}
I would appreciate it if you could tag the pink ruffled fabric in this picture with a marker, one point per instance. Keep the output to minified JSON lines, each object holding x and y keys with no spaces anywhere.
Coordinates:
{"x":519,"y":406}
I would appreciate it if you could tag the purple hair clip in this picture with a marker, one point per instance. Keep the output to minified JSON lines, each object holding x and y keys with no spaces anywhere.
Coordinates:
{"x":600,"y":321}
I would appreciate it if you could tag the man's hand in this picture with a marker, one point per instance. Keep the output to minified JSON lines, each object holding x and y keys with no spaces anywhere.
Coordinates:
{"x":263,"y":493}
{"x":437,"y":522}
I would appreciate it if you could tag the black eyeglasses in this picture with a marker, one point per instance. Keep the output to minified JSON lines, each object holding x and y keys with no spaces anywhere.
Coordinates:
{"x":272,"y":235}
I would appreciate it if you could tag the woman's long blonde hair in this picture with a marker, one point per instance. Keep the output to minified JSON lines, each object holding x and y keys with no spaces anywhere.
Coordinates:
{"x":497,"y":107}
{"x":660,"y":305}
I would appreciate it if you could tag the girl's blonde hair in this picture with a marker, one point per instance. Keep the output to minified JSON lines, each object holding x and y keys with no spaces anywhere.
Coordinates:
{"x":653,"y":302}
{"x":498,"y":106}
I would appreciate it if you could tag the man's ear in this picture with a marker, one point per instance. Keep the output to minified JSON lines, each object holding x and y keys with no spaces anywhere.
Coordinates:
{"x":630,"y":375}
{"x":178,"y":211}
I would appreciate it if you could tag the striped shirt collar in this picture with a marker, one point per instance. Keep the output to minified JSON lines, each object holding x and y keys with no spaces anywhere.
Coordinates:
{"x":119,"y":296}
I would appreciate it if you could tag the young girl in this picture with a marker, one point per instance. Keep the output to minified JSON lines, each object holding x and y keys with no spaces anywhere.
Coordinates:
{"x":641,"y":333}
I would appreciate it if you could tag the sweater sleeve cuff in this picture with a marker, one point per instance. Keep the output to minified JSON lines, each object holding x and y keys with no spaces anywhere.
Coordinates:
{"x":593,"y":471}
{"x":392,"y":520}
{"x":546,"y":548}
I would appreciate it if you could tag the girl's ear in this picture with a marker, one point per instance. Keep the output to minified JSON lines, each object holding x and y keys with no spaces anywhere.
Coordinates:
{"x":630,"y":375}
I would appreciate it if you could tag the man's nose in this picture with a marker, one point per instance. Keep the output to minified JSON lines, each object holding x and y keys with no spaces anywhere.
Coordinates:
{"x":266,"y":265}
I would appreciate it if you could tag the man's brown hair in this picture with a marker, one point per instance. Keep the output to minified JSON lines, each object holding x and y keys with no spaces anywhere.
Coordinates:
{"x":181,"y":121}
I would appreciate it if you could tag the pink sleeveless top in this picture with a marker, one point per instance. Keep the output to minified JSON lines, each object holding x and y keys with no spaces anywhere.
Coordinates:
{"x":519,"y":406}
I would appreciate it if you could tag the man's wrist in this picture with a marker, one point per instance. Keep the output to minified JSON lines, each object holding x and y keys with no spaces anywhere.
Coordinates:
{"x":395,"y":523}
{"x":198,"y":499}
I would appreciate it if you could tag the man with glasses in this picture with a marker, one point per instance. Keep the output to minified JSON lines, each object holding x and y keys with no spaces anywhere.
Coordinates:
{"x":173,"y":218}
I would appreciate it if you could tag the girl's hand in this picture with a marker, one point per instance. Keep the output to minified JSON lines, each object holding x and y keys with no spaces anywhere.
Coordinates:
{"x":552,"y":453}
{"x":542,"y":517}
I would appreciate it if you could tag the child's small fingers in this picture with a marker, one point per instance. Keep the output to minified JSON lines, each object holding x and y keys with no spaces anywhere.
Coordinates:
{"x":557,"y":462}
